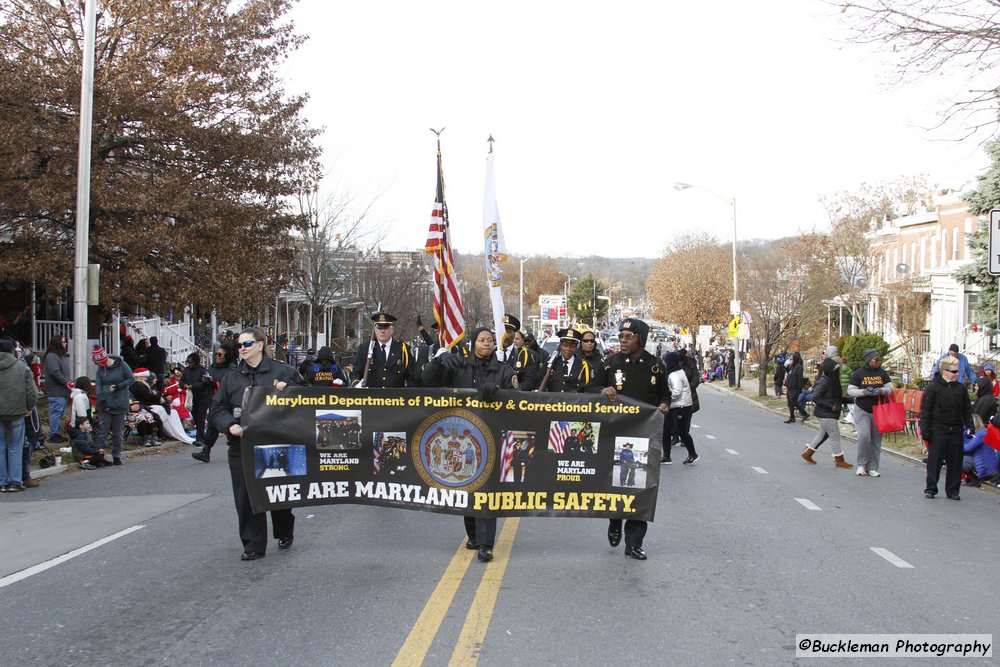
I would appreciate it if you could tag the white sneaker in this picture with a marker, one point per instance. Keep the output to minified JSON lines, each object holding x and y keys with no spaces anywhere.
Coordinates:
{"x":861,"y":472}
{"x":874,"y":473}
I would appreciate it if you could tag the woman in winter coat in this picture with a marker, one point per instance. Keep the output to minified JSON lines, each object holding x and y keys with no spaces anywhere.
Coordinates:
{"x":679,"y":417}
{"x":779,"y":375}
{"x":986,"y":403}
{"x":483,"y":371}
{"x":827,"y":398}
{"x":794,"y":384}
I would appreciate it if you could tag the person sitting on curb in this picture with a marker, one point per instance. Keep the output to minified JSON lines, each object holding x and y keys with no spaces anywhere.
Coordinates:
{"x":980,"y":462}
{"x":89,"y":456}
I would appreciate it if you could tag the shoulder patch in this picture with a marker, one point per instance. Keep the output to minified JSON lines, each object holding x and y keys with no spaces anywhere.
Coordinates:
{"x":513,"y":381}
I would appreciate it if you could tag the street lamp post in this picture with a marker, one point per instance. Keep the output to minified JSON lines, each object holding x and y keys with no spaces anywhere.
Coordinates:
{"x":521,"y":293}
{"x":732,"y":203}
{"x":569,"y":285}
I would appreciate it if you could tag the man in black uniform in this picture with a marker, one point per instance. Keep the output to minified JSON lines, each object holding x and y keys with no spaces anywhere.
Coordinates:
{"x":568,"y":372}
{"x":635,"y":373}
{"x":255,"y":369}
{"x":517,"y":355}
{"x":392,"y":362}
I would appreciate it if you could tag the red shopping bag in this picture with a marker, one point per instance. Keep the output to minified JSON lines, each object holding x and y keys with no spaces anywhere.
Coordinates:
{"x":992,"y":436}
{"x":889,"y":415}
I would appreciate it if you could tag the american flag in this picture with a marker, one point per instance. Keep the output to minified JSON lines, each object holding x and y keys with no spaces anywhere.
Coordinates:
{"x":507,"y":457}
{"x":558,"y":432}
{"x":377,"y":449}
{"x":447,"y":302}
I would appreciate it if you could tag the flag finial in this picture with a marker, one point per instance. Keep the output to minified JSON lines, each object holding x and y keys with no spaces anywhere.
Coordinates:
{"x":490,"y":142}
{"x":438,"y":133}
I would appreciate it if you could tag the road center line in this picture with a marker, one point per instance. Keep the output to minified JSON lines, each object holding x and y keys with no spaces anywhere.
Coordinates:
{"x":41,"y":567}
{"x":710,"y":436}
{"x":891,"y":557}
{"x":733,"y":451}
{"x":760,"y":470}
{"x":477,"y":622}
{"x":808,"y":504}
{"x":418,"y":642}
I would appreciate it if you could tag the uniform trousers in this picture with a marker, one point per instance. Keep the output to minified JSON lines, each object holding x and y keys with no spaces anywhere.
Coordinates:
{"x":481,"y":531}
{"x":945,"y":447}
{"x":635,"y":531}
{"x":200,"y":403}
{"x":253,"y":527}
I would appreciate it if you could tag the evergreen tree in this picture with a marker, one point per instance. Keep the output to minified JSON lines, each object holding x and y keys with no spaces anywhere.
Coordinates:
{"x":981,"y":201}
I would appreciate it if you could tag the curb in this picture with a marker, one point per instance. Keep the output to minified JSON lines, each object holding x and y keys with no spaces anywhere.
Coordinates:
{"x":39,"y":473}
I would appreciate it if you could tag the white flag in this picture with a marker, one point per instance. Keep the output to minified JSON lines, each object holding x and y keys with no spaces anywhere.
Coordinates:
{"x":495,"y":251}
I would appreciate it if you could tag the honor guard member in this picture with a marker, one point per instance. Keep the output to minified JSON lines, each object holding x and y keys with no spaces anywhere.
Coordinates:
{"x":635,"y":373}
{"x":589,"y":351}
{"x":323,"y":372}
{"x":483,"y":371}
{"x":392,"y":363}
{"x":516,"y":355}
{"x":432,"y":345}
{"x":255,"y":369}
{"x":567,"y":372}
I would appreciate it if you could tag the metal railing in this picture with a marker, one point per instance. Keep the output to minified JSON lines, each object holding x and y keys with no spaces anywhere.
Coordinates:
{"x":177,"y":338}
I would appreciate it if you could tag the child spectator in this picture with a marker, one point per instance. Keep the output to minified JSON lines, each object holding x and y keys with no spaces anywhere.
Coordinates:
{"x":89,"y":456}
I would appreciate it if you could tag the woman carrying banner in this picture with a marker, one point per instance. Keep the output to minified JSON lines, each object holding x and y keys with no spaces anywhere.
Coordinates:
{"x":255,"y":369}
{"x":482,"y":371}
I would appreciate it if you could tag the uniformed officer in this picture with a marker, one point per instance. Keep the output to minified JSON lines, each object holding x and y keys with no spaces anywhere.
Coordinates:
{"x":255,"y":369}
{"x":427,"y":351}
{"x":635,"y":373}
{"x":517,"y":355}
{"x":392,"y":361}
{"x":568,"y":372}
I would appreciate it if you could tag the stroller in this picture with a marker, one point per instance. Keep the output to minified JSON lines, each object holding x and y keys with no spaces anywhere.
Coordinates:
{"x":37,"y":440}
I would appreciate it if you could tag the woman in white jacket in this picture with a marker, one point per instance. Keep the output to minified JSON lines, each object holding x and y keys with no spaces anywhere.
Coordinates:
{"x":680,"y":406}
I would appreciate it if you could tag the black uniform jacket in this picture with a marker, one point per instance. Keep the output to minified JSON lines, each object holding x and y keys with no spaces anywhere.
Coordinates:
{"x":227,"y":404}
{"x":398,"y":370}
{"x":471,"y":375}
{"x":525,"y":364}
{"x":580,"y":378}
{"x":642,"y":379}
{"x":945,"y":407}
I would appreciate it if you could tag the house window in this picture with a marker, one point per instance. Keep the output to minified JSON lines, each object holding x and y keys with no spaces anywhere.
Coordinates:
{"x":971,"y":307}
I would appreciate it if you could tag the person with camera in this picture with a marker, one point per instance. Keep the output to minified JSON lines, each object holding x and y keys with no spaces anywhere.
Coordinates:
{"x":255,"y":369}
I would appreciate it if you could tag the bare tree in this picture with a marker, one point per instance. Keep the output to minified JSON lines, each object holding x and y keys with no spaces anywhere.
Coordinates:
{"x":928,"y":37}
{"x":784,"y":285}
{"x":329,"y":252}
{"x":693,"y":264}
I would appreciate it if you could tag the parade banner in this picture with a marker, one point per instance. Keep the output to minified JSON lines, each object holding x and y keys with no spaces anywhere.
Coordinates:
{"x":444,"y":450}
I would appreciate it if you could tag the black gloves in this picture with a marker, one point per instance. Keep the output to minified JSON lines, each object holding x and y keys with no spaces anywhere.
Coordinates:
{"x":452,"y":361}
{"x":420,"y":324}
{"x":487,"y":392}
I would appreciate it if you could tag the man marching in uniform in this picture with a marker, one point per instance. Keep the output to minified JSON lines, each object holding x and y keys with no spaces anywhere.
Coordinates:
{"x":392,"y":362}
{"x":568,"y":372}
{"x":635,"y":373}
{"x":517,"y":355}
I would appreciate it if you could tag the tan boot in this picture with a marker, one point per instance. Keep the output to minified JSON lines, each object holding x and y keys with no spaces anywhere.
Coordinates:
{"x":839,"y":461}
{"x":808,"y":455}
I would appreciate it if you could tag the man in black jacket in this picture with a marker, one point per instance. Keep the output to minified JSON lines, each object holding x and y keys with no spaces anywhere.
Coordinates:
{"x":635,"y":373}
{"x":945,"y":414}
{"x":254,"y":370}
{"x":218,"y":369}
{"x":156,"y":361}
{"x":392,"y":362}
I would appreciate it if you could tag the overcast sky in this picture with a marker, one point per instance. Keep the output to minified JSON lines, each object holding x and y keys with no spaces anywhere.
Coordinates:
{"x":598,"y":108}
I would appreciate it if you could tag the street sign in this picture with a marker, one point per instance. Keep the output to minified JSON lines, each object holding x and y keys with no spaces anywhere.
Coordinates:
{"x":734,"y":326}
{"x":734,"y":307}
{"x":995,"y":242}
{"x":705,"y":330}
{"x":743,"y":331}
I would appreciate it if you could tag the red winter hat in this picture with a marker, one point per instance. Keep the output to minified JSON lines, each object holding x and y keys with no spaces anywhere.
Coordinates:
{"x":99,"y":356}
{"x":141,"y":372}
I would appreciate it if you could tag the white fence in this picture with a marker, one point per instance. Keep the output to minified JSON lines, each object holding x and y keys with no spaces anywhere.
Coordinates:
{"x":177,"y":338}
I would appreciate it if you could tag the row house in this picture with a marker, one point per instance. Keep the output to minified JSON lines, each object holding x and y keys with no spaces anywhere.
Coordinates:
{"x":915,"y":255}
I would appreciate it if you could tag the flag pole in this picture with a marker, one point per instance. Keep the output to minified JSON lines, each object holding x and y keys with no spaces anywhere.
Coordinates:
{"x":439,"y":310}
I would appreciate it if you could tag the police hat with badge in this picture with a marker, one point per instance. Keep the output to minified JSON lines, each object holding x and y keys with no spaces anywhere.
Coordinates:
{"x":383,"y":320}
{"x":569,"y":335}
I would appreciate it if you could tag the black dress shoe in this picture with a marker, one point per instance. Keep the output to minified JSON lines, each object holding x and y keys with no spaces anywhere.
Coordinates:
{"x":928,"y":494}
{"x":117,"y":460}
{"x":285,"y":542}
{"x":790,"y":421}
{"x":485,"y":554}
{"x":954,"y":496}
{"x":251,"y":555}
{"x":635,"y":552}
{"x":470,"y":543}
{"x":204,"y":455}
{"x":614,"y":536}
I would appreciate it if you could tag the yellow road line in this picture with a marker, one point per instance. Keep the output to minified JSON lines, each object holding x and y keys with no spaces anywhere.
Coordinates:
{"x":477,"y":622}
{"x":418,"y":642}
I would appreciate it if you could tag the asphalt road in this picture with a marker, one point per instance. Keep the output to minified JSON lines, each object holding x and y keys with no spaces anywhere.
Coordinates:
{"x":750,"y":546}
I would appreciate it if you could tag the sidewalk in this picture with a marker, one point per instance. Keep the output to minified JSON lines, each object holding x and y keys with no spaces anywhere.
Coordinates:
{"x":911,"y":448}
{"x":165,"y":445}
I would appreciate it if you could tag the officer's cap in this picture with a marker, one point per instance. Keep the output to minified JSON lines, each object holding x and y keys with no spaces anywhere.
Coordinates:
{"x":570,"y":336}
{"x":383,"y":319}
{"x":511,"y":323}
